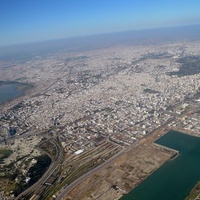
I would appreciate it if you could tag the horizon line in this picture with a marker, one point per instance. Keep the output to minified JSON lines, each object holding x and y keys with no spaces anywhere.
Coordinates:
{"x":99,"y":34}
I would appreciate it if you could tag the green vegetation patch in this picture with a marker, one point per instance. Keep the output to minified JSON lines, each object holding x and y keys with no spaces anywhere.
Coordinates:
{"x":195,"y":191}
{"x":147,"y":90}
{"x":34,"y":173}
{"x":4,"y":153}
{"x":190,"y":66}
{"x":48,"y":147}
{"x":198,"y":112}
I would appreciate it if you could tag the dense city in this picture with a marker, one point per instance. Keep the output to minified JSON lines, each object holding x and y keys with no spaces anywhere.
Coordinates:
{"x":85,"y":109}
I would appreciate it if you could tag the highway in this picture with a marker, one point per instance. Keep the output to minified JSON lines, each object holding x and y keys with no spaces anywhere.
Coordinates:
{"x":66,"y":189}
{"x":60,"y":153}
{"x":35,"y":188}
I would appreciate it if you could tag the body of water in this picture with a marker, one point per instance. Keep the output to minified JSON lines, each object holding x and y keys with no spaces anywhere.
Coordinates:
{"x":9,"y":91}
{"x":175,"y":179}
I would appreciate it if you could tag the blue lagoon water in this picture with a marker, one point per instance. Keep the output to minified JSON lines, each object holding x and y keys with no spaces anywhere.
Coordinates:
{"x":175,"y":179}
{"x":9,"y":92}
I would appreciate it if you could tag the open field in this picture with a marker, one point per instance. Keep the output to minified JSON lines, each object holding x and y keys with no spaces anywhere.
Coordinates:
{"x":124,"y":173}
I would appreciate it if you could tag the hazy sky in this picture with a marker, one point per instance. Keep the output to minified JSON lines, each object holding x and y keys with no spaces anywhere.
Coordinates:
{"x":34,"y":20}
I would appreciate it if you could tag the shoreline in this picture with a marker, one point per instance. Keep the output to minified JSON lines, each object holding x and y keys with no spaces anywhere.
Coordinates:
{"x":24,"y":88}
{"x":145,"y":147}
{"x":174,"y":154}
{"x":173,"y":157}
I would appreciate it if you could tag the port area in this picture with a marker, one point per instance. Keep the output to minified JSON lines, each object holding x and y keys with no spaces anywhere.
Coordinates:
{"x":124,"y":173}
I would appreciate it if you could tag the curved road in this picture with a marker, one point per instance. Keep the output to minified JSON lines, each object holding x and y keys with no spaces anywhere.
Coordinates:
{"x":47,"y":174}
{"x":63,"y":192}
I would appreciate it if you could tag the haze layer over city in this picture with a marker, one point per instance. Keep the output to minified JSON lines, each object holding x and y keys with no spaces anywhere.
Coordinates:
{"x":86,"y":90}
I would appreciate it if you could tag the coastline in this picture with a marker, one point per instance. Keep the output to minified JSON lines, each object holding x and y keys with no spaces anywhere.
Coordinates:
{"x":132,"y":167}
{"x":191,"y":179}
{"x":24,"y":88}
{"x":174,"y":154}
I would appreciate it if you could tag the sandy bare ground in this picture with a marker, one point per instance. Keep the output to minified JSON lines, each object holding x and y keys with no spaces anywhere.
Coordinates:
{"x":124,"y":173}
